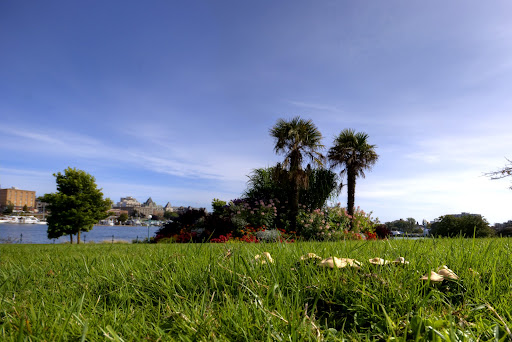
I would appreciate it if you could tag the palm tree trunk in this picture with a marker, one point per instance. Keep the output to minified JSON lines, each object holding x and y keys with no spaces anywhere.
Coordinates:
{"x":71,"y":238}
{"x":78,"y":237}
{"x":351,"y":191}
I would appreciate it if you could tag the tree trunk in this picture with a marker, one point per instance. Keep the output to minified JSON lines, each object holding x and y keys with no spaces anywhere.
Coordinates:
{"x":351,"y":191}
{"x":71,"y":238}
{"x":78,"y":237}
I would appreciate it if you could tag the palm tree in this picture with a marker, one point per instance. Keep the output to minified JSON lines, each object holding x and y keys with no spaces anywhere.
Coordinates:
{"x":352,"y":152}
{"x":297,"y":139}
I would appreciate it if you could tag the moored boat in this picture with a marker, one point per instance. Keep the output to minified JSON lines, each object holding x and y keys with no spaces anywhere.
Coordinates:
{"x":21,"y":219}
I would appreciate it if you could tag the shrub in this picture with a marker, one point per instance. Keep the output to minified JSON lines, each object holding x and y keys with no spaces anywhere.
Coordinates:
{"x":382,"y":231}
{"x":268,"y":235}
{"x":314,"y":225}
{"x":362,"y":221}
{"x":180,"y":228}
{"x":255,"y":214}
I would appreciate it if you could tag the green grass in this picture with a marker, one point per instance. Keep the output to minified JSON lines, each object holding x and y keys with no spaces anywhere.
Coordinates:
{"x":195,"y":293}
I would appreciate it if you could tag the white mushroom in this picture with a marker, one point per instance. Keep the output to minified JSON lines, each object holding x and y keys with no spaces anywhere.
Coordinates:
{"x":434,"y":277}
{"x":378,"y":261}
{"x":264,"y":258}
{"x":400,"y":260}
{"x":447,"y":273}
{"x":333,"y":262}
{"x":309,"y":256}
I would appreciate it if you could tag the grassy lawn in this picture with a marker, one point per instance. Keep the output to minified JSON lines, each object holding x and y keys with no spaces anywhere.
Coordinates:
{"x":199,"y":293}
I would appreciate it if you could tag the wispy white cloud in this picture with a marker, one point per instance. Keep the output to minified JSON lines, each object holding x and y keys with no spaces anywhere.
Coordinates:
{"x":215,"y":162}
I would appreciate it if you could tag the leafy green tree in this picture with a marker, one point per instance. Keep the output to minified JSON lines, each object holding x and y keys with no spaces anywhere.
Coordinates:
{"x":407,"y":225}
{"x":25,"y":208}
{"x":465,"y":225}
{"x":353,"y":153}
{"x":297,"y":139}
{"x":123,"y":218}
{"x":9,"y":208}
{"x":76,"y":206}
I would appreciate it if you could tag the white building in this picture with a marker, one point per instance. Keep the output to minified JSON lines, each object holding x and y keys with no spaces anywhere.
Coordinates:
{"x":128,"y":201}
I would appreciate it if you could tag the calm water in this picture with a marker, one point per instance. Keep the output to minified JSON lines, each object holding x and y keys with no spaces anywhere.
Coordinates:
{"x":36,"y":233}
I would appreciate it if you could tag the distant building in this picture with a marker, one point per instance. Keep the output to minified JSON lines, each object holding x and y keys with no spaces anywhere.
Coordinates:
{"x":117,"y":212}
{"x":41,"y":206}
{"x":150,"y":208}
{"x":464,"y":214}
{"x":128,"y":202}
{"x":503,"y":225}
{"x":18,"y":198}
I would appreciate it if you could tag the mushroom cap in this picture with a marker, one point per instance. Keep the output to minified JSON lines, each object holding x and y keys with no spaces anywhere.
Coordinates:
{"x":310,"y":256}
{"x":434,"y":277}
{"x":264,"y":258}
{"x":378,"y":261}
{"x":333,"y":262}
{"x":447,"y":273}
{"x":400,"y":260}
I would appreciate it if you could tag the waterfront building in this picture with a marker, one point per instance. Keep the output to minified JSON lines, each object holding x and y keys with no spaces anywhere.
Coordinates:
{"x":128,"y":201}
{"x":150,"y":208}
{"x":135,"y":208}
{"x":18,"y":198}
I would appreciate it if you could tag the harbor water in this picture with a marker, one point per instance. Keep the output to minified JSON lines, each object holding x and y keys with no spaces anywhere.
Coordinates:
{"x":36,"y":233}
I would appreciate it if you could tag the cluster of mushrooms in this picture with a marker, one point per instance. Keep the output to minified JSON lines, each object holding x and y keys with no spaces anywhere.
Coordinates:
{"x":443,"y":272}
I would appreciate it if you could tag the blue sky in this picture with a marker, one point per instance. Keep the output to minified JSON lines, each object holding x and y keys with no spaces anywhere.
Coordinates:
{"x":174,"y":99}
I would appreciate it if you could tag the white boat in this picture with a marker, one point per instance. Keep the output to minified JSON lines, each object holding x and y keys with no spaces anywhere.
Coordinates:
{"x":10,"y":219}
{"x":108,"y":222}
{"x":31,"y":220}
{"x":21,"y":219}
